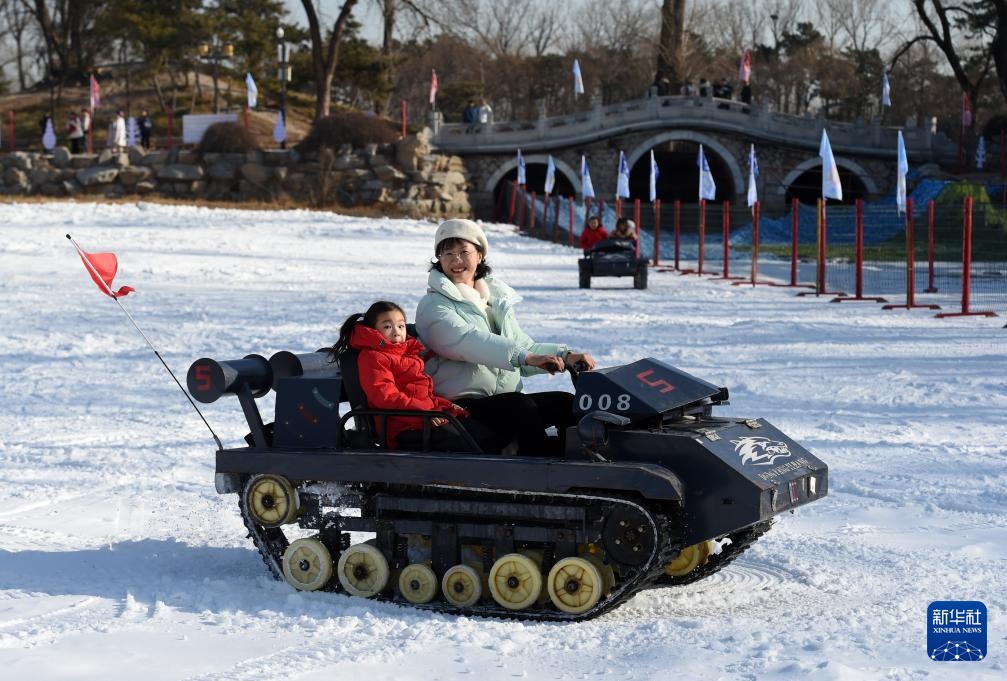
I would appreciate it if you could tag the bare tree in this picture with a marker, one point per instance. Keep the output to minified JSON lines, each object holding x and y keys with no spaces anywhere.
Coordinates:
{"x":505,"y":28}
{"x":17,"y":22}
{"x":960,"y":32}
{"x":325,"y":53}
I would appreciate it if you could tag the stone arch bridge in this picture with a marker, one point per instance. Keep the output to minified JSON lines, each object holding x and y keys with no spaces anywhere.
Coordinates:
{"x":673,"y":127}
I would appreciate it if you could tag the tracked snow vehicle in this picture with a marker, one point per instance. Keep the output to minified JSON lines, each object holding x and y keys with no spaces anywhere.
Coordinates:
{"x":653,"y":490}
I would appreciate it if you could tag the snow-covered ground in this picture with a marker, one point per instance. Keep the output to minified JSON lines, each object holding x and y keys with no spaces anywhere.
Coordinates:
{"x":119,"y":561}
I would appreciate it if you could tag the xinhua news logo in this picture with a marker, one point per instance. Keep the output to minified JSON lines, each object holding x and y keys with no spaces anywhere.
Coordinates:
{"x":956,"y":631}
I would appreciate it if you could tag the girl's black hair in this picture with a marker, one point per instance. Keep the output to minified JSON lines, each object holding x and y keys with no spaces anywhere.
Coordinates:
{"x":482,"y":269}
{"x":369,"y":318}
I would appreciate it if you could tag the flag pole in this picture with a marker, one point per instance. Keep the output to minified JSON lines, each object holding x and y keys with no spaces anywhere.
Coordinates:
{"x":109,"y":292}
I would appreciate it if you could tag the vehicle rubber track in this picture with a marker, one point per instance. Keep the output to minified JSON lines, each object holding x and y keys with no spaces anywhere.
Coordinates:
{"x":740,"y":541}
{"x":271,"y":543}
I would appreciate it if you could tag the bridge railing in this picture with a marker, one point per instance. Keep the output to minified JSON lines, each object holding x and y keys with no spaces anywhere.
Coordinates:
{"x":707,"y":113}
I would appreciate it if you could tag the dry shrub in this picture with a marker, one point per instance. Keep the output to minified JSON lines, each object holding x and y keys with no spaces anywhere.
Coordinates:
{"x":348,"y":127}
{"x":226,"y":138}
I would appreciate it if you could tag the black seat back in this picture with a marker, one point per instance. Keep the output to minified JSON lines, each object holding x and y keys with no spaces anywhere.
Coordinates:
{"x":358,"y":400}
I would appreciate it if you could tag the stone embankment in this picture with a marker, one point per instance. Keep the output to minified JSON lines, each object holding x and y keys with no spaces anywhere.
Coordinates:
{"x":404,"y":176}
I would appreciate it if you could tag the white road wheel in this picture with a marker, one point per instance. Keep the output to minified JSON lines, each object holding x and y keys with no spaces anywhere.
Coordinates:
{"x":362,"y":570}
{"x":462,"y":586}
{"x":606,"y":572}
{"x":418,"y":583}
{"x":688,"y":559}
{"x":271,"y":500}
{"x":515,"y":581}
{"x":307,"y":564}
{"x":574,"y":585}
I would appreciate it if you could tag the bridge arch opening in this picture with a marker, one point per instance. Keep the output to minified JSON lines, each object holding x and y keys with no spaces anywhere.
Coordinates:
{"x":805,"y":182}
{"x":535,"y":172}
{"x":679,"y":174}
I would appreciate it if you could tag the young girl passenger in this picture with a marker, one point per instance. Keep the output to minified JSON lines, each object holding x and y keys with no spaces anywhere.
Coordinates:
{"x":392,"y":377}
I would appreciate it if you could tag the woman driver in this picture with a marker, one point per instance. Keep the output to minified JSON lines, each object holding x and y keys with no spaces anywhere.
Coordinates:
{"x":467,"y":319}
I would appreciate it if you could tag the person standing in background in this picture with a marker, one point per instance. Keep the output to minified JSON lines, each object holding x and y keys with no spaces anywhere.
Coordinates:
{"x":146,"y":127}
{"x":75,"y":133}
{"x":117,"y":132}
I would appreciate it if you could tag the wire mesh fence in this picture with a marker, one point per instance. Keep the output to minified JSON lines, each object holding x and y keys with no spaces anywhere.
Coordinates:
{"x":721,"y":239}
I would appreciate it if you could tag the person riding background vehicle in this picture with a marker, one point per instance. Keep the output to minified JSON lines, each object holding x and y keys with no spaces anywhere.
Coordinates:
{"x":467,"y":318}
{"x":593,"y":233}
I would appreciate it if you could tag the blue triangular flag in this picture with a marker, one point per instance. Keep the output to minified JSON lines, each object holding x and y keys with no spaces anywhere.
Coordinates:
{"x":831,"y":187}
{"x":753,"y":173}
{"x":550,"y":175}
{"x":522,"y":174}
{"x":578,"y":80}
{"x":707,"y":187}
{"x":903,"y":169}
{"x":654,"y":174}
{"x":587,"y":189}
{"x":622,"y":186}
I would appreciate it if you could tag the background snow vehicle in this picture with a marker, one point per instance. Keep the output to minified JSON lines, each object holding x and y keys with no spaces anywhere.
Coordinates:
{"x":613,"y":258}
{"x":650,"y":489}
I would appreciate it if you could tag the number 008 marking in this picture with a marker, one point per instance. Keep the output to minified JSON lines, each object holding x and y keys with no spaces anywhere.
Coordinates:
{"x":586,"y":402}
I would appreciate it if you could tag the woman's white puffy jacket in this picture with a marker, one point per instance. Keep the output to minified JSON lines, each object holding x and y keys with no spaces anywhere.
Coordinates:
{"x":473,"y":359}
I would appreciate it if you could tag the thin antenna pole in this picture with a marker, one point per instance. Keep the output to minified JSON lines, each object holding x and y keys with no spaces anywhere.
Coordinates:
{"x":109,"y":292}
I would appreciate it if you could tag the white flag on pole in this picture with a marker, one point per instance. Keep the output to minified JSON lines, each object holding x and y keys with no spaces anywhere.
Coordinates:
{"x":654,"y":174}
{"x":587,"y":189}
{"x":578,"y":80}
{"x":280,"y":129}
{"x":550,"y":175}
{"x":49,"y":136}
{"x":522,"y":170}
{"x":622,"y":186}
{"x":831,"y":187}
{"x":886,"y":91}
{"x":253,"y":91}
{"x":707,"y":187}
{"x":753,"y":174}
{"x":903,"y":168}
{"x":981,"y":153}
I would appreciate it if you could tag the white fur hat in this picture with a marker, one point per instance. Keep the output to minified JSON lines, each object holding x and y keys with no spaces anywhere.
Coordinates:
{"x":460,"y":228}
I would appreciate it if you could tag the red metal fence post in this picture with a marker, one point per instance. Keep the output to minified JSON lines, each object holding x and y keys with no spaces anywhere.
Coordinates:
{"x":858,"y":250}
{"x":618,"y":208}
{"x":513,"y":202}
{"x":657,"y":231}
{"x":910,"y":264}
{"x":930,"y":248}
{"x":636,"y":220}
{"x":822,"y":221}
{"x":521,"y":209}
{"x":795,"y":206}
{"x":555,"y":222}
{"x":531,"y":221}
{"x":966,"y":266}
{"x":545,"y":216}
{"x":570,"y":206}
{"x":702,"y":233}
{"x":678,"y":232}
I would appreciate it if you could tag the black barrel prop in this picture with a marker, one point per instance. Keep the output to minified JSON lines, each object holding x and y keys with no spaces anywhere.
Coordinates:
{"x":316,"y":364}
{"x":209,"y":379}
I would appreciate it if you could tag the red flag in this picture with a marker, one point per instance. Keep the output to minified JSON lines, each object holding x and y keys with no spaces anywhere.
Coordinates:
{"x":95,"y":93}
{"x":745,"y":70}
{"x":102,"y":268}
{"x":966,"y":110}
{"x":433,"y":87}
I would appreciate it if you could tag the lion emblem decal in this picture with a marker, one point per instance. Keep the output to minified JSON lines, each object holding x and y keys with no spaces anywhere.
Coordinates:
{"x":760,"y":451}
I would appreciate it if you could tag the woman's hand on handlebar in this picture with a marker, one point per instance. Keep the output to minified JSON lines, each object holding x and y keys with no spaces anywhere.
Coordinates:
{"x":580,"y":357}
{"x":550,"y":363}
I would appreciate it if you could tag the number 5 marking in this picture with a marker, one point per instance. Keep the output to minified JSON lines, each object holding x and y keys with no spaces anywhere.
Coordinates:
{"x":202,"y":375}
{"x":659,"y":383}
